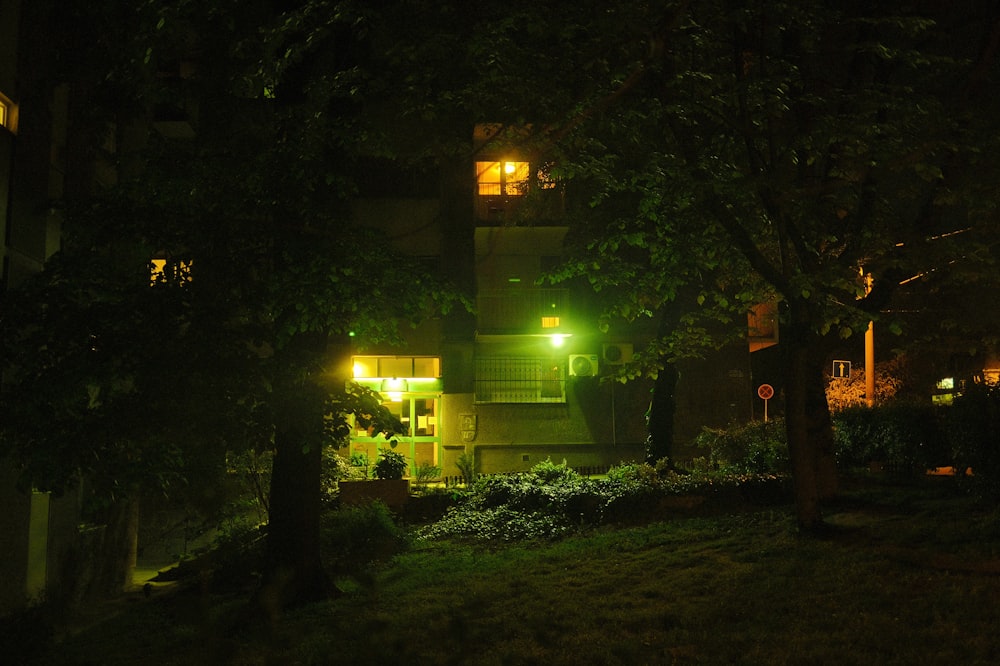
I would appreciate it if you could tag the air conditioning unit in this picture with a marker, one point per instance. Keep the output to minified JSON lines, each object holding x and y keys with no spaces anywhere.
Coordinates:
{"x":616,"y":353}
{"x":583,"y":365}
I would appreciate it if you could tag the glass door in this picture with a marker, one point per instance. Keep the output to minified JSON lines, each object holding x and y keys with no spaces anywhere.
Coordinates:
{"x":420,"y":443}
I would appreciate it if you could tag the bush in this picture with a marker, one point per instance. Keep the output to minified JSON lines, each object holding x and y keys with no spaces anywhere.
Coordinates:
{"x":390,"y":465}
{"x":904,"y":435}
{"x":551,"y":500}
{"x":359,"y":466}
{"x":629,"y":490}
{"x":972,"y":428}
{"x":759,"y":447}
{"x":427,"y":472}
{"x":552,"y":488}
{"x":355,"y":538}
{"x":335,"y":469}
{"x":467,"y":467}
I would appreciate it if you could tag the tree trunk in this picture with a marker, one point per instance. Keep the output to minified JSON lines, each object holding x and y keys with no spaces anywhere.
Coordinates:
{"x":807,"y":420}
{"x":663,"y":404}
{"x":820,"y":429}
{"x":294,"y":572}
{"x":660,"y":420}
{"x":293,"y":568}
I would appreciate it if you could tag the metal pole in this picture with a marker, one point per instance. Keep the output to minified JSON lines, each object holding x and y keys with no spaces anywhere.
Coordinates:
{"x":869,"y":348}
{"x":870,"y":364}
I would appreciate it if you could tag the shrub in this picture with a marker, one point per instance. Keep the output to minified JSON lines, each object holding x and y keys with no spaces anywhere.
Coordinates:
{"x":972,"y":428}
{"x":335,"y":468}
{"x":390,"y":465}
{"x":354,"y":538}
{"x":549,"y":472}
{"x":496,"y":524}
{"x":427,"y":472}
{"x":552,"y":500}
{"x":905,"y":435}
{"x":759,"y":447}
{"x":628,"y":490}
{"x":467,"y":467}
{"x":856,"y":437}
{"x":893,"y":379}
{"x":359,"y":465}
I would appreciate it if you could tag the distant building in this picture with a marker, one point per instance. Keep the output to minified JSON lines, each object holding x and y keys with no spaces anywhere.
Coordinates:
{"x":38,"y":532}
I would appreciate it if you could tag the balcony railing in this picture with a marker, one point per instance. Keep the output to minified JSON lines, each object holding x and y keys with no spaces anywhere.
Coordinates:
{"x":522,"y":310}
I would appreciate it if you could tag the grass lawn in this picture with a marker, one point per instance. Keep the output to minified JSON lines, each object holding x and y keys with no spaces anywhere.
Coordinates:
{"x":908,"y":574}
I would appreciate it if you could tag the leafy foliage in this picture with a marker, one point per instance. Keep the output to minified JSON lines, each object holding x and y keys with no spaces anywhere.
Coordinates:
{"x":759,"y":447}
{"x":356,"y":538}
{"x":552,"y":500}
{"x":427,"y":472}
{"x":390,"y":465}
{"x":905,"y":435}
{"x":892,"y":378}
{"x":973,"y":431}
{"x":467,"y":466}
{"x":736,"y":154}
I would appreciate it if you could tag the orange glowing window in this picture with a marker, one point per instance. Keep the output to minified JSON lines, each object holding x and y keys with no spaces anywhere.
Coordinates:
{"x":502,"y":178}
{"x":162,"y":271}
{"x":8,"y":113}
{"x":550,"y":322}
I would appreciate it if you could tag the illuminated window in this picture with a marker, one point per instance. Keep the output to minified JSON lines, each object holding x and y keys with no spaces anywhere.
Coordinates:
{"x":163,"y":271}
{"x":510,"y":379}
{"x":397,"y":367}
{"x":550,"y":322}
{"x":946,"y":383}
{"x":8,"y":113}
{"x":502,"y":178}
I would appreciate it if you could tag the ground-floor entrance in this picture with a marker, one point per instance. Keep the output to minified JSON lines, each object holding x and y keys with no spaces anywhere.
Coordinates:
{"x":420,"y":443}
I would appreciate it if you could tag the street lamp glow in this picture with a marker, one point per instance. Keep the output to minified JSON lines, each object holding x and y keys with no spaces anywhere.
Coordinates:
{"x":557,"y":339}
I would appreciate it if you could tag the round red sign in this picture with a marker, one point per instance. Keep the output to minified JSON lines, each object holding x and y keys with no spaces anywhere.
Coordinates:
{"x":765,"y":391}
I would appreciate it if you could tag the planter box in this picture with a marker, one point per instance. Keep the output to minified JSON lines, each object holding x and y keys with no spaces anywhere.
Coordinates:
{"x":393,"y":492}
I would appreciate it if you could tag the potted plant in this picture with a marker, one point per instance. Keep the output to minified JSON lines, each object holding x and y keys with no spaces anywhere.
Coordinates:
{"x":389,"y":484}
{"x":390,"y":465}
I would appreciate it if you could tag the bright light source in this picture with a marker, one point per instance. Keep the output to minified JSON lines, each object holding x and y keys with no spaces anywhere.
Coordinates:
{"x":557,"y":340}
{"x":394,"y":385}
{"x":509,"y":167}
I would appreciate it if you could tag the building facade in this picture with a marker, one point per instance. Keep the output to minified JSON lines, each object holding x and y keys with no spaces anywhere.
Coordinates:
{"x":520,"y":380}
{"x":38,"y":531}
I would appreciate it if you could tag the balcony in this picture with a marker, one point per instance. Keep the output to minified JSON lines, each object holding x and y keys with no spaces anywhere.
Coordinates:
{"x":522,"y":311}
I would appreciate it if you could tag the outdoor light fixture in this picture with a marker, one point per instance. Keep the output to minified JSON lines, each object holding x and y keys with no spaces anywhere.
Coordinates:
{"x":395,"y":385}
{"x":557,"y":339}
{"x":394,"y":388}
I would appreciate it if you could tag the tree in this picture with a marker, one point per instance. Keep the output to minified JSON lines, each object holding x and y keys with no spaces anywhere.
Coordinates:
{"x":811,"y":140}
{"x":730,"y":153}
{"x":239,"y":338}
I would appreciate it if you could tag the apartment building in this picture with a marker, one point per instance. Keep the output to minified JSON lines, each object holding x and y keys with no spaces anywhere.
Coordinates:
{"x":38,"y":531}
{"x":519,"y":381}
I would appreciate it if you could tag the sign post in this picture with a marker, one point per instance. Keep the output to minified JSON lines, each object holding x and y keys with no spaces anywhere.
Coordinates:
{"x":766,"y":392}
